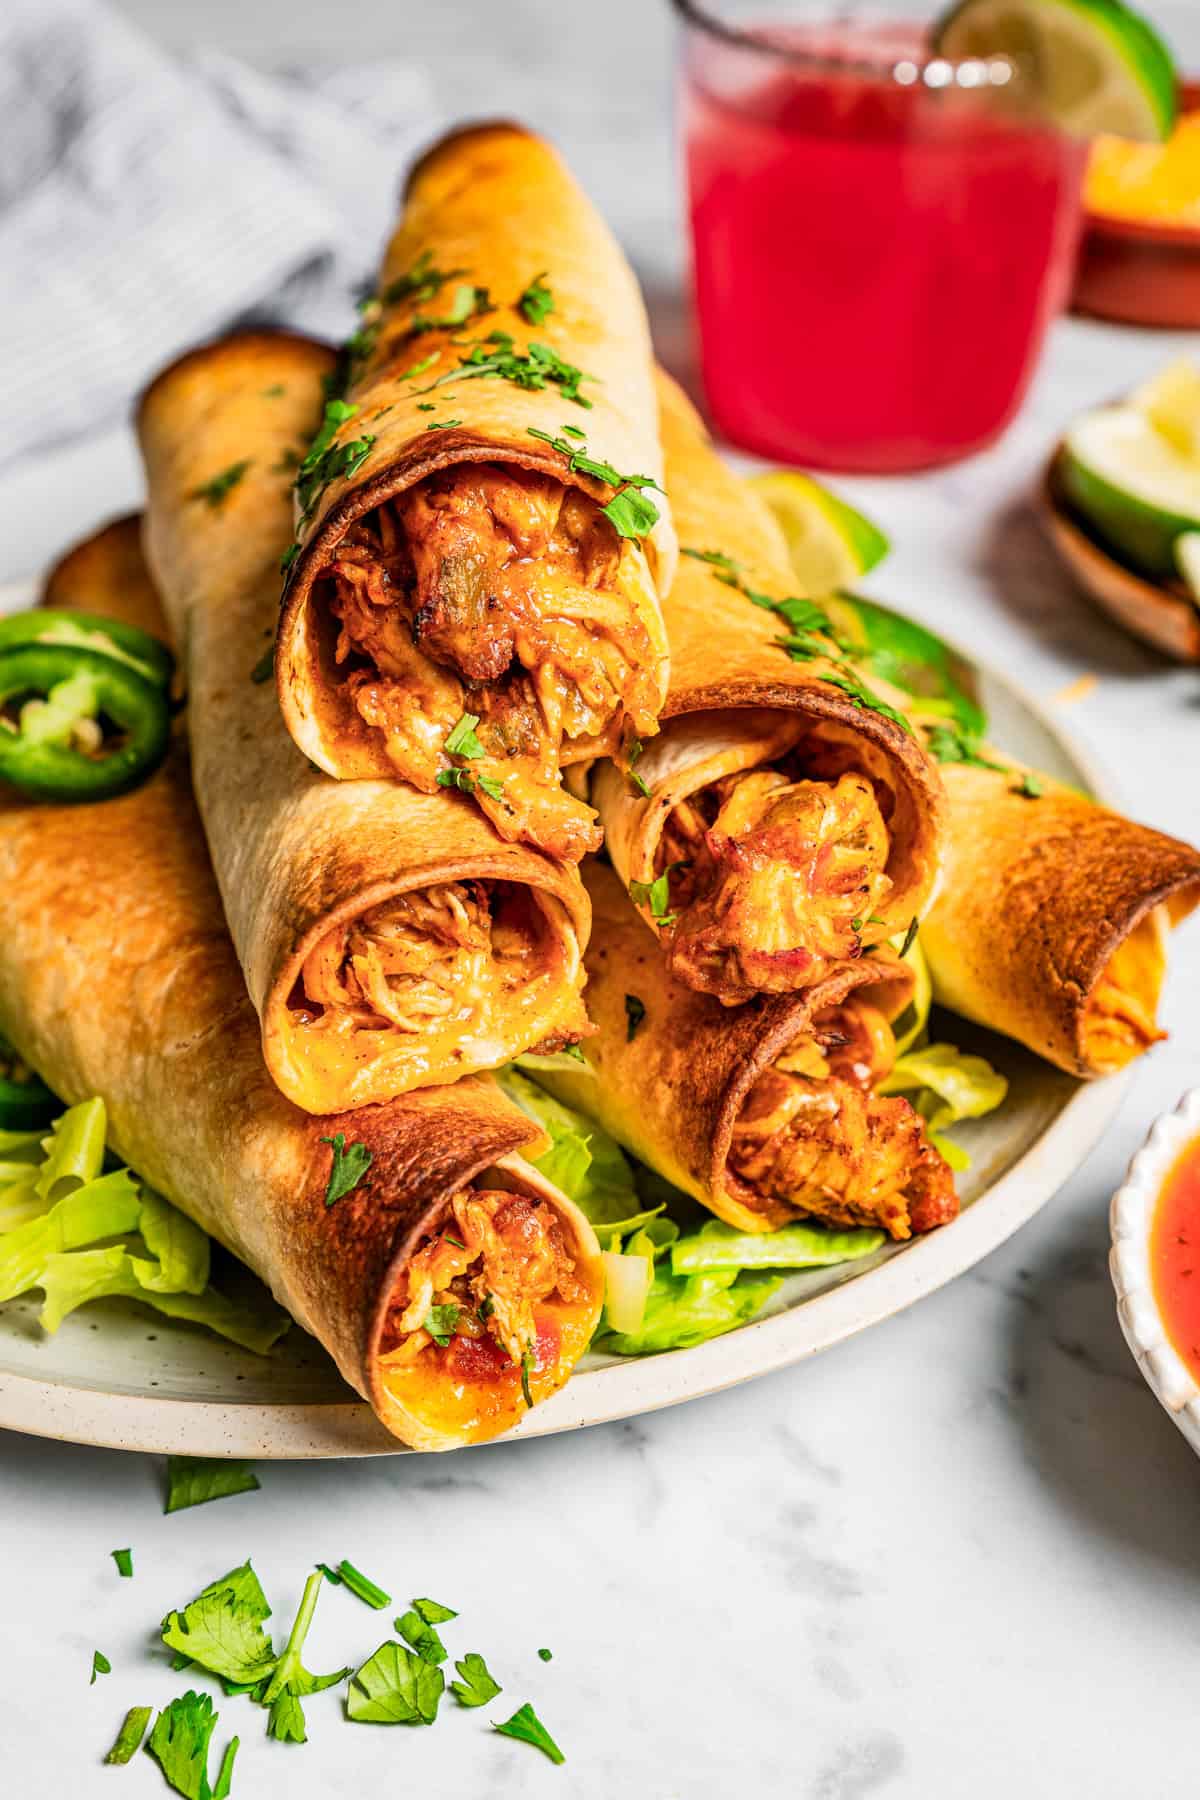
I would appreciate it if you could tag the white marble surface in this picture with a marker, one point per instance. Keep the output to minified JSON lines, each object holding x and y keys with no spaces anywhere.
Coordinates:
{"x":960,"y":1554}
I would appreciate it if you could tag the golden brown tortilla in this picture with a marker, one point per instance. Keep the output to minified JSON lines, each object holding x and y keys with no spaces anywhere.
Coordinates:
{"x":299,"y":856}
{"x":117,"y":978}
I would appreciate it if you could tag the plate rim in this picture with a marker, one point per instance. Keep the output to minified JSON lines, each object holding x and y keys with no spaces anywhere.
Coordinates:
{"x":267,"y":1431}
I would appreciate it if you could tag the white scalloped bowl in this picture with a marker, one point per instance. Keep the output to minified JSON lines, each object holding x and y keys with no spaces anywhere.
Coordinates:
{"x":1131,"y":1220}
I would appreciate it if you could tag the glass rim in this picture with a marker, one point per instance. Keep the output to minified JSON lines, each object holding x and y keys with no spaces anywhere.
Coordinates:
{"x":962,"y":73}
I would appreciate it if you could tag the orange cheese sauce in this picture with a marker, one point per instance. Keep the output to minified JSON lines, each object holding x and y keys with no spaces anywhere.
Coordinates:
{"x":1175,"y":1256}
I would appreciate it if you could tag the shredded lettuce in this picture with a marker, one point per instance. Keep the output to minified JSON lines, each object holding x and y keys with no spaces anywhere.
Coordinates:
{"x":681,"y":1313}
{"x":796,"y":1246}
{"x":589,"y":1166}
{"x":947,"y":1085}
{"x":80,"y":1235}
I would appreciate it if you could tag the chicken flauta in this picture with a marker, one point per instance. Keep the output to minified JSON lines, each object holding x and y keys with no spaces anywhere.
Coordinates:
{"x":815,"y":1140}
{"x":496,"y":592}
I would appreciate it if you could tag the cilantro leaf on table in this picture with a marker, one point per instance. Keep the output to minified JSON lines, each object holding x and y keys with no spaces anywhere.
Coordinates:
{"x":124,"y":1561}
{"x":100,"y":1666}
{"x":361,"y":1585}
{"x":422,"y":1637}
{"x":395,"y":1687}
{"x":476,"y":1684}
{"x":526,"y":1726}
{"x":546,"y":1655}
{"x":133,"y":1730}
{"x":179,"y":1744}
{"x":433,"y":1612}
{"x":224,"y":1628}
{"x":192,"y":1480}
{"x":347,"y":1167}
{"x":291,"y":1681}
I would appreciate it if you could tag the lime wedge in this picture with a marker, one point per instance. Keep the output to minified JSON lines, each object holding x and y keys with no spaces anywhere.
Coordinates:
{"x":1133,"y":485}
{"x":1094,"y":65}
{"x":1187,"y":561}
{"x":829,"y":543}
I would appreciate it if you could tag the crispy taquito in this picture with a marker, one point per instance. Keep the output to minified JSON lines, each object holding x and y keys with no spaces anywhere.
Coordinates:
{"x":117,"y":977}
{"x":786,"y":818}
{"x":390,"y":938}
{"x":479,"y":533}
{"x":1052,"y":919}
{"x":765,"y":1113}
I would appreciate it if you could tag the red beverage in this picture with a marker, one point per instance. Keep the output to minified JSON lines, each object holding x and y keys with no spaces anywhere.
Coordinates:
{"x":878,"y":246}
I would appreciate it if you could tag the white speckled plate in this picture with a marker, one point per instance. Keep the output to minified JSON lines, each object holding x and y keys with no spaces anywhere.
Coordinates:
{"x":116,"y":1375}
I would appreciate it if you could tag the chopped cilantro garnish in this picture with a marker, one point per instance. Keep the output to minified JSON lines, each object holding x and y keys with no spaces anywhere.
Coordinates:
{"x":526,"y":1725}
{"x":462,"y":740}
{"x":426,"y":406}
{"x":264,"y":668}
{"x":421,"y":1636}
{"x":327,"y":461}
{"x":432,"y":1611}
{"x":362,"y":1586}
{"x":863,"y":697}
{"x":950,"y":744}
{"x":395,"y":1687}
{"x":1031,"y":787}
{"x":291,"y":1682}
{"x":635,"y":1012}
{"x":129,"y":1738}
{"x":215,"y":491}
{"x":442,"y":424}
{"x":856,"y":924}
{"x":654,"y":894}
{"x":224,"y":1629}
{"x":492,"y":788}
{"x":546,"y":1655}
{"x":537,"y":300}
{"x":476,"y":1684}
{"x":631,"y":514}
{"x":288,"y":558}
{"x":420,"y":368}
{"x":192,"y":1480}
{"x":331,"y":1575}
{"x":467,"y":302}
{"x":909,"y":938}
{"x":629,"y":511}
{"x":420,"y":283}
{"x":100,"y":1666}
{"x":536,"y":367}
{"x":347,"y":1167}
{"x":439,"y":1322}
{"x":124,"y":1562}
{"x":179,"y":1745}
{"x":289,"y":462}
{"x":526,"y":1366}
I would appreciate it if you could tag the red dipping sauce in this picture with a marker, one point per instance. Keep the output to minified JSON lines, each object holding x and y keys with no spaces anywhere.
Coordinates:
{"x":877,"y":247}
{"x":1175,"y":1256}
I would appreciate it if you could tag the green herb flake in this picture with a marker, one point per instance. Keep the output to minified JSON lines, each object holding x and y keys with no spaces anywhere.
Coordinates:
{"x":130,"y":1736}
{"x":535,"y":368}
{"x":1031,"y":786}
{"x":491,"y":787}
{"x":526,"y":1726}
{"x":264,"y":668}
{"x":100,"y":1666}
{"x":546,"y":1655}
{"x":420,"y":283}
{"x":291,"y":1683}
{"x":347,"y":1167}
{"x":288,"y":558}
{"x":363,"y":1587}
{"x":442,"y":424}
{"x":124,"y":1562}
{"x":462,"y":740}
{"x":869,"y":702}
{"x":421,"y":1637}
{"x":631,"y":514}
{"x":395,"y":1687}
{"x":193,"y":1480}
{"x":526,"y":1366}
{"x":655,"y":895}
{"x":326,"y":461}
{"x":949,"y":744}
{"x":274,"y":392}
{"x":179,"y":1744}
{"x":476,"y":1684}
{"x":223,"y":1629}
{"x":456,"y":778}
{"x":217,"y":490}
{"x":439,"y":1322}
{"x":536,"y":301}
{"x":909,"y":938}
{"x":635,"y":1012}
{"x":421,"y":368}
{"x":331,"y":1575}
{"x":432,"y":1611}
{"x":426,"y":405}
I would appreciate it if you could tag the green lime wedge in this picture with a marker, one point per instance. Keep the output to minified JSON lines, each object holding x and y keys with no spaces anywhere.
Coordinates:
{"x":1187,"y":561}
{"x":829,"y":543}
{"x":911,"y":658}
{"x":1132,"y":485}
{"x":1091,"y":65}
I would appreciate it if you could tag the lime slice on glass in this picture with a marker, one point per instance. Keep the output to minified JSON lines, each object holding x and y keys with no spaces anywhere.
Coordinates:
{"x":1133,"y":485}
{"x":1094,"y":65}
{"x":829,"y":543}
{"x":1187,"y":561}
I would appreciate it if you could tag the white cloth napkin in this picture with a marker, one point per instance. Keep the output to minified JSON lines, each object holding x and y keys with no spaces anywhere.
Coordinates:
{"x":147,"y":202}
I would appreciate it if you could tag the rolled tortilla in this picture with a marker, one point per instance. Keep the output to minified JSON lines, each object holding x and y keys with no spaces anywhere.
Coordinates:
{"x":1051,"y":922}
{"x":765,"y":1113}
{"x":117,"y":978}
{"x":795,"y":817}
{"x":390,"y":939}
{"x":456,"y":560}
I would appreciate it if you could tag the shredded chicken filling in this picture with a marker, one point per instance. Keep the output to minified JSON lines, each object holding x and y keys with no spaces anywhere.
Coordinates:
{"x":497,"y":1258}
{"x":1121,"y":1018}
{"x":771,"y":880}
{"x":815,"y":1139}
{"x":439,"y":958}
{"x":495,"y":591}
